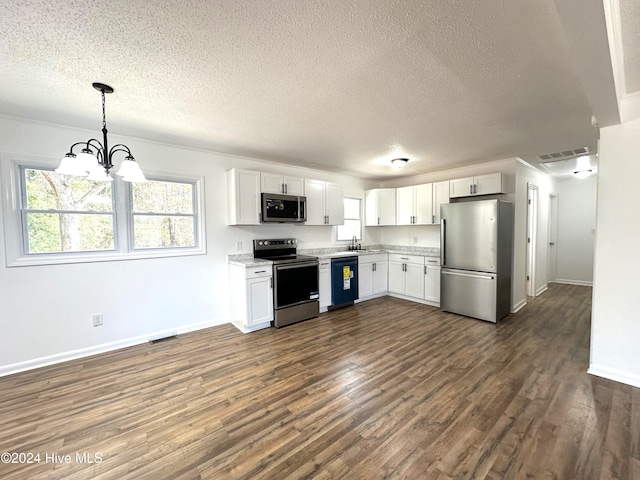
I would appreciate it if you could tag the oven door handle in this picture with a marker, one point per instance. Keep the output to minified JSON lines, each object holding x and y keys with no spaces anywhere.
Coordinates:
{"x":288,"y":266}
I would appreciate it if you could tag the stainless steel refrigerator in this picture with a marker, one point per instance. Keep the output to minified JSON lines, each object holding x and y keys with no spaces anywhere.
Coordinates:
{"x":476,"y":242}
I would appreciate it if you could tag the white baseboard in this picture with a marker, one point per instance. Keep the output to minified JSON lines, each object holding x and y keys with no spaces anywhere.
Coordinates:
{"x":615,"y":375}
{"x":105,"y":347}
{"x":573,"y":282}
{"x":542,"y":289}
{"x":518,"y":306}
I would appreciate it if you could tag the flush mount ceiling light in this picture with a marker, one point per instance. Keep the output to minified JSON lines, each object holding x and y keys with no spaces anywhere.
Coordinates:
{"x":399,"y":163}
{"x":97,"y":165}
{"x":582,"y":173}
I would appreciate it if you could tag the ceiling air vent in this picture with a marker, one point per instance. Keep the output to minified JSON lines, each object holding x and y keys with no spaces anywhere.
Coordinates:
{"x":564,"y":154}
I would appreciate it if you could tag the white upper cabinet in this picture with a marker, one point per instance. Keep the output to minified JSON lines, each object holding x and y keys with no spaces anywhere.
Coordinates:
{"x":420,"y":204}
{"x":325,"y":204}
{"x":380,"y":207}
{"x":440,"y":197}
{"x":479,"y":185}
{"x":281,"y":184}
{"x":243,"y":197}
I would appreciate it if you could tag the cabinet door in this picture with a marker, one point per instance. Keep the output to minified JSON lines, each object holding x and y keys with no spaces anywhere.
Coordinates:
{"x":487,"y":184}
{"x":461,"y":187}
{"x":365,"y":279}
{"x":244,"y":197}
{"x":271,"y":183}
{"x":405,"y":210}
{"x":334,"y":204}
{"x":396,"y":277}
{"x":423,"y":195}
{"x":371,"y":216}
{"x":432,"y":284}
{"x":387,"y":206}
{"x":324,"y":283}
{"x":315,"y":202}
{"x":259,"y":300}
{"x":380,"y":277}
{"x":293,"y":185}
{"x":414,"y":280}
{"x":440,"y":197}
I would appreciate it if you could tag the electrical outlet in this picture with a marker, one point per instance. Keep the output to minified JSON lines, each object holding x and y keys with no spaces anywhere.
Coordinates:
{"x":97,"y":319}
{"x":239,"y":246}
{"x":415,"y":240}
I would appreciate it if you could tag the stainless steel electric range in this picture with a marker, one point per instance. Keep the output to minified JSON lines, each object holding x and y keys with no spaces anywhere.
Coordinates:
{"x":295,"y":280}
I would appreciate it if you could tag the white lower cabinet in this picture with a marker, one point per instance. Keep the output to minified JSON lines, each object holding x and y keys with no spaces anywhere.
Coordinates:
{"x":406,"y":275}
{"x":372,"y":275}
{"x":251,"y":292}
{"x":324,"y":284}
{"x":432,"y":281}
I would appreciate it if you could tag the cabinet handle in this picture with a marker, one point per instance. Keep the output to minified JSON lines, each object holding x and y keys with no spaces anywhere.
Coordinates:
{"x":261,"y":271}
{"x":475,"y":188}
{"x":425,"y":269}
{"x":433,"y":219}
{"x":271,"y":282}
{"x":404,"y":258}
{"x":373,"y":267}
{"x":378,"y":220}
{"x":470,"y":189}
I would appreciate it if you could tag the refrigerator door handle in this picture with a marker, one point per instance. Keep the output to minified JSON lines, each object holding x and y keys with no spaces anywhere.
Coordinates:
{"x":472,"y":275}
{"x":443,"y":255}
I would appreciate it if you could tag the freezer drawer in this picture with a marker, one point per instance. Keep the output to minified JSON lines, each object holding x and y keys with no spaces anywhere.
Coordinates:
{"x":472,"y":294}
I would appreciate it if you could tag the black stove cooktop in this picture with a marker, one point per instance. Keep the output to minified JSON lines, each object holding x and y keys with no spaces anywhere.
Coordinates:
{"x":293,"y":258}
{"x":280,"y":250}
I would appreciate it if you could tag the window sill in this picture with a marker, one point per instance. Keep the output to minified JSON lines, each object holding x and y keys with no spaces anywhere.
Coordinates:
{"x":70,"y":258}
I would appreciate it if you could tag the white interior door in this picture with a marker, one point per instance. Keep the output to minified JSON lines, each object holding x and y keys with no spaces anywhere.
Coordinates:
{"x":553,"y":238}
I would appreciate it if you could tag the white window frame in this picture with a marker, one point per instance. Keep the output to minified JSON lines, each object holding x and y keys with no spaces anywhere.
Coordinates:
{"x":16,"y":256}
{"x":195,"y":215}
{"x":361,"y":219}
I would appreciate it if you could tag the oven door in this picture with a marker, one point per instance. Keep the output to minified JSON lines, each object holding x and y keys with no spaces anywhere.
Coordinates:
{"x":295,"y":283}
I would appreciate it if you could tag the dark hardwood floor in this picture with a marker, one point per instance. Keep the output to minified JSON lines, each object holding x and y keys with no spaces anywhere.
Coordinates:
{"x":384,"y":389}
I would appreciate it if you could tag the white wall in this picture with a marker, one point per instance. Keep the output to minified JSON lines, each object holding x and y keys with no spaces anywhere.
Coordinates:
{"x":575,"y":240}
{"x":45,"y":311}
{"x":615,"y":323}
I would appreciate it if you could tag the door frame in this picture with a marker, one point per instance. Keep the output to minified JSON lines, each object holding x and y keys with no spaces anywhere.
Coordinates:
{"x":532,"y":230}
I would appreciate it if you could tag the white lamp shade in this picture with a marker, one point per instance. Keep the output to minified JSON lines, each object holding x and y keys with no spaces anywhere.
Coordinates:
{"x":130,"y":171}
{"x":71,"y":166}
{"x":99,"y":176}
{"x":89,"y":162}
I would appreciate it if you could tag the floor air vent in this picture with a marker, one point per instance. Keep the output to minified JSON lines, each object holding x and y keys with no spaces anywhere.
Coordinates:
{"x":163,"y":339}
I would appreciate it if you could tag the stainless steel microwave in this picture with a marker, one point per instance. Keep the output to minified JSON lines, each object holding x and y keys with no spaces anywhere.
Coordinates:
{"x":283,"y":208}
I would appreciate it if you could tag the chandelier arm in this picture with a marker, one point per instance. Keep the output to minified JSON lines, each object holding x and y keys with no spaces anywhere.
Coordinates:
{"x":120,"y":147}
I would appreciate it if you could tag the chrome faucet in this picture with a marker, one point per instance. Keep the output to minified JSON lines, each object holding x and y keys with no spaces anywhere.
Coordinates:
{"x":354,"y":243}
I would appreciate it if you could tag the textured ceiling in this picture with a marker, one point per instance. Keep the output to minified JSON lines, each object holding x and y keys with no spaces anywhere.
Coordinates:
{"x":329,"y":84}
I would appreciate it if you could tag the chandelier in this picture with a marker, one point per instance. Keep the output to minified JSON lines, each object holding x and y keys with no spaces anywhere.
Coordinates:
{"x":97,"y":165}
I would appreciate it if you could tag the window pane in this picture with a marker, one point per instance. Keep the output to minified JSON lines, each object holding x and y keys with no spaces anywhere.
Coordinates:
{"x":349,"y":229}
{"x":163,"y":231}
{"x":162,"y":197}
{"x":47,"y":190}
{"x":69,"y":232}
{"x":352,"y":208}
